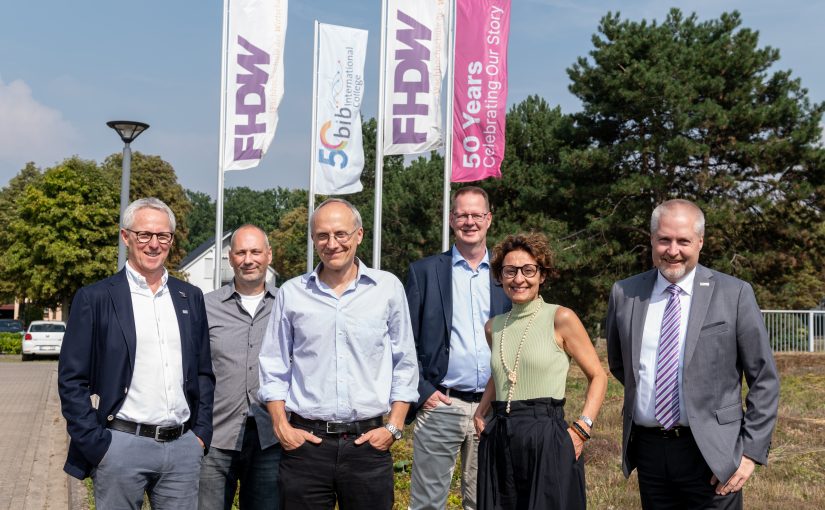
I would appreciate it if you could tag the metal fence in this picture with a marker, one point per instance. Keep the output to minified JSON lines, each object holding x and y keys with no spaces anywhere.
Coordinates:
{"x":796,"y":330}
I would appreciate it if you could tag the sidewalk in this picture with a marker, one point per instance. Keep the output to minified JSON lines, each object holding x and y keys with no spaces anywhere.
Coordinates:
{"x":33,"y":439}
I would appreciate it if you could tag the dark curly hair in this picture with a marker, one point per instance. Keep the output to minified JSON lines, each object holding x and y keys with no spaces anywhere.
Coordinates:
{"x":534,"y":243}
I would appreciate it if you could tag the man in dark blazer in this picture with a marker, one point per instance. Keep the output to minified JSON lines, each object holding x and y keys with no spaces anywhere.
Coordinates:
{"x":679,"y":338}
{"x":451,"y":296}
{"x":135,"y":375}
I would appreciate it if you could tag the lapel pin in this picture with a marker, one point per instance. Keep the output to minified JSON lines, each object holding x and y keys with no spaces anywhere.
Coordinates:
{"x":185,"y":312}
{"x":704,"y":284}
{"x":182,"y":293}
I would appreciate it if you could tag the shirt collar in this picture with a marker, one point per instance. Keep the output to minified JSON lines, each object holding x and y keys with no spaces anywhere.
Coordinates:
{"x":458,"y":258}
{"x":139,"y":281}
{"x":364,"y":272}
{"x":229,"y":290}
{"x":686,"y":283}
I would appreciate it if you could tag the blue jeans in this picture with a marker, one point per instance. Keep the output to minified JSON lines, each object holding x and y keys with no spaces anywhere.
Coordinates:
{"x":255,"y":469}
{"x":166,"y":471}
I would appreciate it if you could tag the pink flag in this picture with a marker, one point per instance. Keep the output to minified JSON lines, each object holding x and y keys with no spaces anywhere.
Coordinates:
{"x":482,"y":30}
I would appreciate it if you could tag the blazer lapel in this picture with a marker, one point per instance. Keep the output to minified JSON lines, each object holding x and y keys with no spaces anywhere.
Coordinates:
{"x":637,"y":324}
{"x":703,"y":284}
{"x":444,"y":273}
{"x":122,"y":303}
{"x":180,"y":299}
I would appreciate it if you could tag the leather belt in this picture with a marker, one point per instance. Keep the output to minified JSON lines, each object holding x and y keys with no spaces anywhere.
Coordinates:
{"x":156,"y":432}
{"x":466,"y":396}
{"x":679,"y":431}
{"x":338,"y":427}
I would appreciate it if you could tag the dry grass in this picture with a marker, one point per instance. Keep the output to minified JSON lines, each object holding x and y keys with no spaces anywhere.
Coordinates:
{"x":794,"y":478}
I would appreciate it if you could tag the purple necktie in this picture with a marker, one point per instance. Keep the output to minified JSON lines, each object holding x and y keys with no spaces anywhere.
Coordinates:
{"x":667,"y":363}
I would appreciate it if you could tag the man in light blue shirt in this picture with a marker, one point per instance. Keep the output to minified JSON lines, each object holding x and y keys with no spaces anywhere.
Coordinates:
{"x":451,"y":297}
{"x":338,"y":354}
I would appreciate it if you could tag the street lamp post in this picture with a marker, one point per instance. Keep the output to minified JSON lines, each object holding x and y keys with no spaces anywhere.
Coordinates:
{"x":127,"y":130}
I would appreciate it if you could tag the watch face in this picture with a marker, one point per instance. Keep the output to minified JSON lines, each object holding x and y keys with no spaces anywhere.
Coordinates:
{"x":397,"y":435}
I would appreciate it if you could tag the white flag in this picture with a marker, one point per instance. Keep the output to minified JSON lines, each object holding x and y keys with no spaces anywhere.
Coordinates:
{"x":416,"y":53}
{"x":339,"y":158}
{"x":254,"y":81}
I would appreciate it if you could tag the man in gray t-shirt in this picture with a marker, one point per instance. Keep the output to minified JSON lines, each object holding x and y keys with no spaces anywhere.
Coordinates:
{"x":244,"y":448}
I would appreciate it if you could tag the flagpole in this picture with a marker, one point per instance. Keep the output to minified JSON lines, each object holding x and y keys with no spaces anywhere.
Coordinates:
{"x":448,"y":149}
{"x":379,"y":143}
{"x":216,"y":282}
{"x":313,"y":150}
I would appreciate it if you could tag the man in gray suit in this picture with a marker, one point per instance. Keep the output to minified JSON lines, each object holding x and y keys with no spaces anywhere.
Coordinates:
{"x":679,"y":338}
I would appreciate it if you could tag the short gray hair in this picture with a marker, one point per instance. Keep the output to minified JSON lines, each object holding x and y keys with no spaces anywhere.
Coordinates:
{"x":667,"y":206}
{"x":353,"y":210}
{"x":146,"y":203}
{"x":248,"y":225}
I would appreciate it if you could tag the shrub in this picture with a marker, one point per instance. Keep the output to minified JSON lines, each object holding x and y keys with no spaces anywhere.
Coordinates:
{"x":11,"y":343}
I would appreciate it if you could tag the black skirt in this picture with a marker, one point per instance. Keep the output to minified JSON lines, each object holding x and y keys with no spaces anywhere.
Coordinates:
{"x":526,"y":459}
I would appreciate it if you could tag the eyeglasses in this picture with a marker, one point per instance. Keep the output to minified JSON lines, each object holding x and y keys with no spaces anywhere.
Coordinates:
{"x":144,"y":237}
{"x":342,"y":237}
{"x":528,"y":270}
{"x":464,"y":218}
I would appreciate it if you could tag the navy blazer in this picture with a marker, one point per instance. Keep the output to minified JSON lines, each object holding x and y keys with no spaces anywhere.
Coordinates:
{"x":98,"y":357}
{"x":430,"y":297}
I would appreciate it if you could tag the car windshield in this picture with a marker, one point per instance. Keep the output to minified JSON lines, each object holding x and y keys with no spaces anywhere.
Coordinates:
{"x":47,"y":328}
{"x":10,"y":326}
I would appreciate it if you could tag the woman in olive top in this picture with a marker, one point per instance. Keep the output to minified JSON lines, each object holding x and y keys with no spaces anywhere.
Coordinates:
{"x":528,"y":455}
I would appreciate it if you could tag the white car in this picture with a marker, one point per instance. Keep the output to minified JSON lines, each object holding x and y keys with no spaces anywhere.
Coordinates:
{"x":43,"y":338}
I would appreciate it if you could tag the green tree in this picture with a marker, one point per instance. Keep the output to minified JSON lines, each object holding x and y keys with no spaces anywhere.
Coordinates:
{"x":63,"y":234}
{"x":201,"y":219}
{"x":9,"y":199}
{"x":151,"y":176}
{"x":690,"y":109}
{"x":289,"y":244}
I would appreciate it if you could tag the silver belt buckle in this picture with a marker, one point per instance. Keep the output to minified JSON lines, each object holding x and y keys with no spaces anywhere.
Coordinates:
{"x":333,"y":423}
{"x":157,"y":433}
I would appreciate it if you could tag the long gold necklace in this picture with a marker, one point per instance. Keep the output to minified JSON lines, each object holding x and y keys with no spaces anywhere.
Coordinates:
{"x":512,"y":375}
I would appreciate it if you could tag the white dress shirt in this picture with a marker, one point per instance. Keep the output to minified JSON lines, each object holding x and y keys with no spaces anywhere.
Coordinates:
{"x":345,"y":357}
{"x":155,"y":396}
{"x":645,"y":410}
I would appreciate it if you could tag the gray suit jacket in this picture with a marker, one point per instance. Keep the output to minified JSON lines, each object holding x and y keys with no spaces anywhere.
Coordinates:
{"x":726,"y":338}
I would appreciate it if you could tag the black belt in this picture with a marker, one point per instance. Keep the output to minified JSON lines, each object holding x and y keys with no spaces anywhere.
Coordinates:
{"x":338,"y":427}
{"x":156,"y":432}
{"x":679,"y":431}
{"x":466,"y":396}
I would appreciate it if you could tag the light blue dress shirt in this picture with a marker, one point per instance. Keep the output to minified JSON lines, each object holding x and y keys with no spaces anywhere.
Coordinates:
{"x":469,"y":365}
{"x":341,"y":358}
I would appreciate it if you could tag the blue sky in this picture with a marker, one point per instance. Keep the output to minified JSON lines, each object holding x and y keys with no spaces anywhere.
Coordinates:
{"x":68,"y":67}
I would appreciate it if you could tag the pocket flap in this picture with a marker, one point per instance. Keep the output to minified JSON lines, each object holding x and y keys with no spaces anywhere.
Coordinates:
{"x":730,"y":414}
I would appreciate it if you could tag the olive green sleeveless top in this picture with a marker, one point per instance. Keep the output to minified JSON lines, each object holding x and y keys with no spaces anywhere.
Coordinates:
{"x":542,"y":370}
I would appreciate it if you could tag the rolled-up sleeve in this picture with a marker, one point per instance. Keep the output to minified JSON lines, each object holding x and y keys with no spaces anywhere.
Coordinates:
{"x":404,"y":362}
{"x":275,"y":366}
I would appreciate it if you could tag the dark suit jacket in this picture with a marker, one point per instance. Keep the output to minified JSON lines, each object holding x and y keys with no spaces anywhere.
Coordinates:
{"x":98,"y":357}
{"x":430,"y":296}
{"x":725,"y":338}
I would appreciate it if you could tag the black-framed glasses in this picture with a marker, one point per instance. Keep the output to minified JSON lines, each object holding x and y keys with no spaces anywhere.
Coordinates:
{"x":144,"y":237}
{"x":528,"y":270}
{"x":340,"y":236}
{"x":464,"y":218}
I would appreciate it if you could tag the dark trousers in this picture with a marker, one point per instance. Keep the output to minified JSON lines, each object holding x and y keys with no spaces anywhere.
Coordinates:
{"x":255,"y":469}
{"x":673,"y":475}
{"x":314,"y":476}
{"x":526,"y":459}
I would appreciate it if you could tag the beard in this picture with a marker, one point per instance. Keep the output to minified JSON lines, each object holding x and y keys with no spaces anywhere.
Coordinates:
{"x":674,"y":274}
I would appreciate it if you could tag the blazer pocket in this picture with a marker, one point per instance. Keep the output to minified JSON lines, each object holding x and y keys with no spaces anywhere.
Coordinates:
{"x":714,"y":329}
{"x":729,"y":414}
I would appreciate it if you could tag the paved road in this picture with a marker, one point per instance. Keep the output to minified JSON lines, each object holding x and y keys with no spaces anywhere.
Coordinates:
{"x":33,"y":438}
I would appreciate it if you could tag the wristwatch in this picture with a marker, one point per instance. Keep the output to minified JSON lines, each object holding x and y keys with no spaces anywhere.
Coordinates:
{"x":586,"y":420}
{"x":396,"y":434}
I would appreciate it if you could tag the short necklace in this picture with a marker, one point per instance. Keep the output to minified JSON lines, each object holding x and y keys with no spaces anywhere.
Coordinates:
{"x":512,"y":375}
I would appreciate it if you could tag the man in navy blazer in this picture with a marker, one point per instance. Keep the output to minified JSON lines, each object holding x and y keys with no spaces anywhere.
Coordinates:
{"x":135,"y":375}
{"x":451,"y":296}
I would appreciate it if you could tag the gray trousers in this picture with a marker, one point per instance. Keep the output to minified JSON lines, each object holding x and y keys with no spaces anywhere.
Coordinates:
{"x":167,"y":471}
{"x":438,"y":437}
